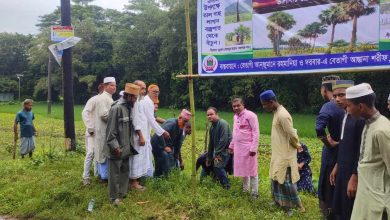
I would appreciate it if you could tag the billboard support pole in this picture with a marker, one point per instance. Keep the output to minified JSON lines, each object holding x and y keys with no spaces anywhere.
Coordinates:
{"x":70,"y":136}
{"x":191,"y":92}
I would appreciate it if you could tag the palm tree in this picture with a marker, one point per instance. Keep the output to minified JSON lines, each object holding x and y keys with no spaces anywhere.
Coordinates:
{"x":294,"y":43}
{"x":333,"y":16}
{"x":238,"y":13}
{"x":229,"y":36}
{"x":278,"y":23}
{"x":305,"y":34}
{"x":355,"y":9}
{"x":244,"y":33}
{"x":316,"y":29}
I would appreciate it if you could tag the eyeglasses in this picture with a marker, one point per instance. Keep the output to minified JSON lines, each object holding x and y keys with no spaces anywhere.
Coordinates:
{"x":157,"y":92}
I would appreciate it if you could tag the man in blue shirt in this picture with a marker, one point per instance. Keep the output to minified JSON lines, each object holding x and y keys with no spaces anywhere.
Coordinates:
{"x":28,"y":132}
{"x":329,"y":118}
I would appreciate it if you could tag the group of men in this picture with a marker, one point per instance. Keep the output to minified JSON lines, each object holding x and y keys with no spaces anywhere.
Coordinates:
{"x":118,"y":137}
{"x":354,"y":178}
{"x":243,"y":143}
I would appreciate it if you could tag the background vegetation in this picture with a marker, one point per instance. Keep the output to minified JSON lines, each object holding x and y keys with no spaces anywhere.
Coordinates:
{"x":49,"y":185}
{"x":147,"y":41}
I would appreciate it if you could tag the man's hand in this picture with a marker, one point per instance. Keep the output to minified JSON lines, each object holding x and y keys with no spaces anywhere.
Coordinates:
{"x":332,"y":178}
{"x":252,"y":154}
{"x":230,"y":151}
{"x":91,"y":131}
{"x":141,"y":141}
{"x":167,"y":149}
{"x":208,"y":163}
{"x":36,"y":133}
{"x":217,"y":159}
{"x":166,"y":135}
{"x":331,"y":142}
{"x":300,"y":166}
{"x":352,"y":186}
{"x":118,"y":152}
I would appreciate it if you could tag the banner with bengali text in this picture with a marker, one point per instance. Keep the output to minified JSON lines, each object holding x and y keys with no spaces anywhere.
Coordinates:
{"x":260,"y":37}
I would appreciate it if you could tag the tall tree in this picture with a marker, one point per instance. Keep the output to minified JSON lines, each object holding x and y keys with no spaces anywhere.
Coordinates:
{"x":333,"y":16}
{"x":278,"y":23}
{"x":316,"y":29}
{"x":13,"y":53}
{"x":238,"y":12}
{"x":356,"y":9}
{"x":244,"y":32}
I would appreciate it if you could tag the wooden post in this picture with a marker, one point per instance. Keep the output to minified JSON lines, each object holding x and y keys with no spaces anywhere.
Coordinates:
{"x":68,"y":80}
{"x":49,"y":71}
{"x":191,"y":92}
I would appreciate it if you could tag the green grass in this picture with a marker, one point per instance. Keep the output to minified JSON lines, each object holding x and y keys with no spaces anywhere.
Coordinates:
{"x":232,"y":56}
{"x":233,"y":18}
{"x":49,"y":185}
{"x":303,"y":123}
{"x":263,"y":53}
{"x":234,"y":42}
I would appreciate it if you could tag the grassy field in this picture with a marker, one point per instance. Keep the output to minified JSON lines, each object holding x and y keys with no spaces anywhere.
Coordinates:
{"x":303,"y":123}
{"x":49,"y":185}
{"x":233,"y":18}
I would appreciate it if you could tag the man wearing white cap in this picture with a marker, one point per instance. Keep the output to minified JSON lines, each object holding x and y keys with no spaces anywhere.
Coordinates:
{"x":373,"y":191}
{"x":103,"y":105}
{"x":88,"y":116}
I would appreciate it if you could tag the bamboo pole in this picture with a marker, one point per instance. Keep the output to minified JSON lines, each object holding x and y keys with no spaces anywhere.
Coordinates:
{"x":191,"y":92}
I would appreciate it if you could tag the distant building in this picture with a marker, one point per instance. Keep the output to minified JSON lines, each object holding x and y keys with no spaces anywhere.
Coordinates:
{"x":5,"y":97}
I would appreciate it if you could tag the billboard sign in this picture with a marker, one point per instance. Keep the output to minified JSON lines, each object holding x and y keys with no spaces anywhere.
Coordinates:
{"x":61,"y":33}
{"x":260,"y":37}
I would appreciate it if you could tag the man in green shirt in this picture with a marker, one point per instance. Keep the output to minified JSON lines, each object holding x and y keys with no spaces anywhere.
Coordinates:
{"x":217,"y":154}
{"x":373,"y":191}
{"x":119,"y":143}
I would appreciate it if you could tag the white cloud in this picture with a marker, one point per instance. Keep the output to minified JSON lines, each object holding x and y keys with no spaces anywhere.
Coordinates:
{"x":21,"y":16}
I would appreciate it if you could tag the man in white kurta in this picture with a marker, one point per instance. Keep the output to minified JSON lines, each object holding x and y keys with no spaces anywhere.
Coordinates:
{"x":144,"y":120}
{"x":89,"y":122}
{"x":88,"y":116}
{"x":373,"y":190}
{"x":103,"y":105}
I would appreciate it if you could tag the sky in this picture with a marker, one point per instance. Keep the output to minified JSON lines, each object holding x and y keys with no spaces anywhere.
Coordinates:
{"x":21,"y":16}
{"x":368,"y":27}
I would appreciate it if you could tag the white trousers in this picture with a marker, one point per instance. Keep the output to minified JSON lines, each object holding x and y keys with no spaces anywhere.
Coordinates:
{"x":89,"y":156}
{"x":250,"y":181}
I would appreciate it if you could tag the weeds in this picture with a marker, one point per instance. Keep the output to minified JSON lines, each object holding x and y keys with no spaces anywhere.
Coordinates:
{"x":49,"y":186}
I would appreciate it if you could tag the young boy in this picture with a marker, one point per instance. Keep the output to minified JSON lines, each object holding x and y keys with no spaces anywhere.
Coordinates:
{"x":305,"y":182}
{"x":27,"y":130}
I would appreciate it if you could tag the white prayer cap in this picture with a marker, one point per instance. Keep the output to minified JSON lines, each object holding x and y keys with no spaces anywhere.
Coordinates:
{"x":109,"y":80}
{"x":357,"y":91}
{"x":121,"y":93}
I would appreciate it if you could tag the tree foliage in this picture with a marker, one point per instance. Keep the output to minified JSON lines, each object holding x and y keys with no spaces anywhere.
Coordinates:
{"x":147,"y":41}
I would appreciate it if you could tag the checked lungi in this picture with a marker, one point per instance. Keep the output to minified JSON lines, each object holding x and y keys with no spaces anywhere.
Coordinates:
{"x":286,"y":194}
